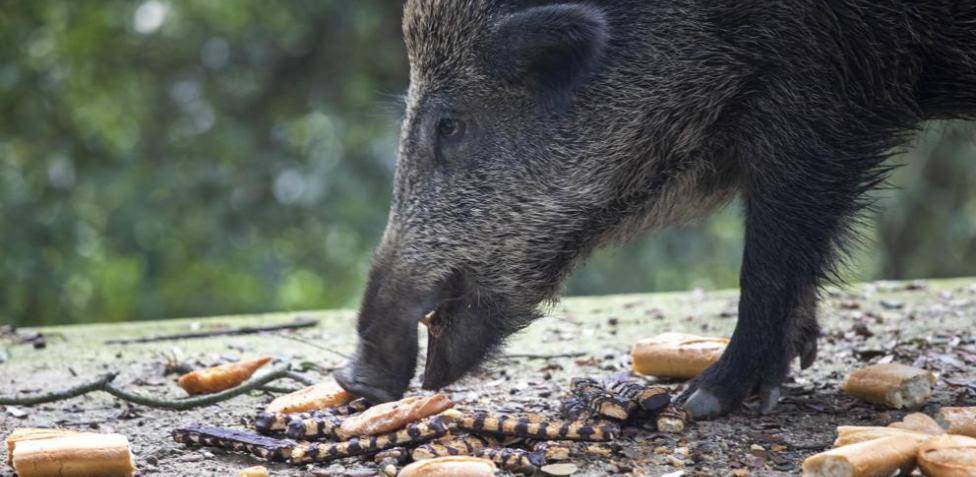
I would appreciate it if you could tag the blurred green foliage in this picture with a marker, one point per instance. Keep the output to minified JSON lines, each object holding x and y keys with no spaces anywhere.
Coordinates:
{"x":176,"y":158}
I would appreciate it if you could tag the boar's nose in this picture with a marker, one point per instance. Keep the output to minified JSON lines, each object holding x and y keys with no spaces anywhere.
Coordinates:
{"x":386,"y":356}
{"x":370,"y":382}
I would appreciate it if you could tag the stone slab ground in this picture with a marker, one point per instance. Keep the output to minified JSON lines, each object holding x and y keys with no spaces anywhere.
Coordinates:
{"x":929,"y":324}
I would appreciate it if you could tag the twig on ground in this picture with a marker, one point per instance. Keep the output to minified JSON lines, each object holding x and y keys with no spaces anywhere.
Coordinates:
{"x":104,"y":383}
{"x":542,"y":356}
{"x":244,"y":330}
{"x":276,"y":389}
{"x":96,"y":385}
{"x":315,"y":345}
{"x":300,"y":378}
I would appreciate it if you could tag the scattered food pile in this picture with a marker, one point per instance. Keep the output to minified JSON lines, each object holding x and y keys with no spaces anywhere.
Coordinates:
{"x":323,"y":423}
{"x":941,"y":448}
{"x":425,"y":435}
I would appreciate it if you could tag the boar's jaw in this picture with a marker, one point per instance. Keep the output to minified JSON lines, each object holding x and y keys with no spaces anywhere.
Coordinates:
{"x":461,"y":333}
{"x":386,"y":356}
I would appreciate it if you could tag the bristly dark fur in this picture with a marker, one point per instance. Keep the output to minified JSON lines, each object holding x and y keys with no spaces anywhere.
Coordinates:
{"x":586,"y":123}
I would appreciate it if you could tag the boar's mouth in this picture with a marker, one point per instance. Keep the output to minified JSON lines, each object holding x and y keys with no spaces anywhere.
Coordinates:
{"x":461,"y":331}
{"x":468,"y":325}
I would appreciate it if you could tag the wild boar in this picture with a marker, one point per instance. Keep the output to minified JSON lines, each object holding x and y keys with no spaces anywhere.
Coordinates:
{"x":536,"y":131}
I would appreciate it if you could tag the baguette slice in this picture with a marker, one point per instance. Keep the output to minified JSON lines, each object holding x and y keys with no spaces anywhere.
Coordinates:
{"x":676,"y":355}
{"x":958,"y":420}
{"x":394,"y":415}
{"x":29,"y":434}
{"x":219,"y":378}
{"x":76,"y":455}
{"x":455,"y":466}
{"x":891,"y":384}
{"x":948,"y":456}
{"x":847,"y":435}
{"x":874,"y":458}
{"x":919,"y":422}
{"x":319,"y":396}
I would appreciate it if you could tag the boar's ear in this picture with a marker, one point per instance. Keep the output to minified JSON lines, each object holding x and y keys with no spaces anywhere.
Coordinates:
{"x":549,"y":49}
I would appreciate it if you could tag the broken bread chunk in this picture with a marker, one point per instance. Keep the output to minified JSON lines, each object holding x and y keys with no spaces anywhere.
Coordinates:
{"x":318,"y":396}
{"x":220,"y":378}
{"x":75,"y":455}
{"x":456,"y":466}
{"x":958,"y":420}
{"x":847,"y":435}
{"x":30,"y":434}
{"x":919,"y":422}
{"x":676,"y":355}
{"x":391,"y":416}
{"x":948,"y":456}
{"x":876,"y":458}
{"x":891,"y":384}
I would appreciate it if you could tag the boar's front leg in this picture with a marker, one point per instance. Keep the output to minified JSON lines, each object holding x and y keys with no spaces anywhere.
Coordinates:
{"x":795,"y":212}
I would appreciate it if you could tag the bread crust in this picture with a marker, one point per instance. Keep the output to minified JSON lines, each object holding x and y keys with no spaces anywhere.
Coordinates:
{"x":847,"y":435}
{"x":874,"y":458}
{"x":891,"y":384}
{"x":456,"y":466}
{"x":318,"y":396}
{"x":958,"y":420}
{"x":948,"y":456}
{"x":219,"y":378}
{"x":391,"y":416}
{"x":75,"y":455}
{"x":676,"y":355}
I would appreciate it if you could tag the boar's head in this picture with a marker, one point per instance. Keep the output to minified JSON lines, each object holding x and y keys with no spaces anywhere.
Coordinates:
{"x":508,"y":171}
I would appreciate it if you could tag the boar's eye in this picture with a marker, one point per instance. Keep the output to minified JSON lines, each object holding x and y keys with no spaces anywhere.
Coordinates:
{"x":450,"y":128}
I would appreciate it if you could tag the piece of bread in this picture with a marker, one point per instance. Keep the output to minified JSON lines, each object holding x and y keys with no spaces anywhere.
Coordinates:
{"x":29,"y":434}
{"x":319,"y":396}
{"x":220,"y":378}
{"x":919,"y":422}
{"x":456,"y":466}
{"x":948,"y":456}
{"x":958,"y":420}
{"x":74,"y":455}
{"x":394,"y":415}
{"x":847,"y":435}
{"x":676,"y":355}
{"x":874,"y":458}
{"x":891,"y":384}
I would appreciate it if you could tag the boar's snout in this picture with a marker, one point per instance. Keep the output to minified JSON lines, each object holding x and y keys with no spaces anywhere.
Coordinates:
{"x":386,"y":357}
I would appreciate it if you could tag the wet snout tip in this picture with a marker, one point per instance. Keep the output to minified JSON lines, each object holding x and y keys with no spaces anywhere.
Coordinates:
{"x":364,"y":384}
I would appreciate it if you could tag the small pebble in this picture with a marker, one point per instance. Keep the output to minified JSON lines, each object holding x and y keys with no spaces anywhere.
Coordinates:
{"x":390,"y":470}
{"x":560,"y":469}
{"x":256,"y":471}
{"x":598,"y":451}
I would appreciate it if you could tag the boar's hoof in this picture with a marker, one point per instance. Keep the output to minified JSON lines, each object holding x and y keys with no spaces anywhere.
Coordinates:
{"x":769,"y":399}
{"x":366,"y":384}
{"x":703,"y":405}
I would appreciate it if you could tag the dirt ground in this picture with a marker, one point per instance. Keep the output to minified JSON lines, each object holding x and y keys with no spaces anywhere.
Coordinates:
{"x":928,"y":324}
